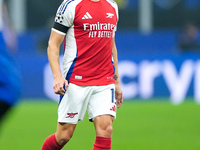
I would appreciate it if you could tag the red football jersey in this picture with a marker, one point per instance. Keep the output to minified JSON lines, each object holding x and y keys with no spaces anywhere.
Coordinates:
{"x":88,"y":44}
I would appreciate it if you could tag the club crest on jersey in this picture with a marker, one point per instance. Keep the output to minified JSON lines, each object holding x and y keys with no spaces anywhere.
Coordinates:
{"x":109,"y":15}
{"x":59,"y":18}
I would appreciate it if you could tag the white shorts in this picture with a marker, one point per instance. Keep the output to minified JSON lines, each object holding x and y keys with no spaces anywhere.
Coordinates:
{"x":99,"y":100}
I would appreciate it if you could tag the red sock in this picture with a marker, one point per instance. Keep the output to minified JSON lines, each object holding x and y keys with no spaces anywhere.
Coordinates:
{"x":102,"y":143}
{"x":51,"y":144}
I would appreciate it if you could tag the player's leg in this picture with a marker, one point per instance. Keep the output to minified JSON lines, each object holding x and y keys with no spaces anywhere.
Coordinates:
{"x":72,"y":108}
{"x":102,"y":110}
{"x":64,"y":133}
{"x":58,"y":140}
{"x":103,"y":128}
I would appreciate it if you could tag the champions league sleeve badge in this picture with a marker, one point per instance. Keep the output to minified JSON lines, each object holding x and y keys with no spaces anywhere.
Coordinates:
{"x":59,"y":18}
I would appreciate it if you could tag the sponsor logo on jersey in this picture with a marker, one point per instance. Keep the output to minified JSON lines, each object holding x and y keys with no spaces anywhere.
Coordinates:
{"x":99,"y":30}
{"x":98,"y":26}
{"x":71,"y":115}
{"x":113,"y":108}
{"x":87,"y":16}
{"x":109,"y":15}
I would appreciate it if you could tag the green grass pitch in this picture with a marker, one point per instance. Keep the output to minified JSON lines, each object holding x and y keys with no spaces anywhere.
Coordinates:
{"x":140,"y":125}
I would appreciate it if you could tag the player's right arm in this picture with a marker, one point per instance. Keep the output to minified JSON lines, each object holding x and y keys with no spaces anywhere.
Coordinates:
{"x":63,"y":21}
{"x":53,"y":49}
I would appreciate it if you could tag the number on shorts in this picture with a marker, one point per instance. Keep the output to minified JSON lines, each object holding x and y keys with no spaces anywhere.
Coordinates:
{"x":113,"y":99}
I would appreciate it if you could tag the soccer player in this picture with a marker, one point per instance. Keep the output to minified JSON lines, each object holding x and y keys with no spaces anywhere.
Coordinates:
{"x":10,"y":84}
{"x":91,"y":79}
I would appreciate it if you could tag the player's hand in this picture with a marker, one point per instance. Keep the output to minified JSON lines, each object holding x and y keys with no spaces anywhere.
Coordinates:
{"x":59,"y":84}
{"x":118,"y":95}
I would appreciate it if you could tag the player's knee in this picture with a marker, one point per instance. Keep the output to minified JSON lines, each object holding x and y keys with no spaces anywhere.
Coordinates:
{"x":103,"y":125}
{"x":64,"y":139}
{"x":62,"y":142}
{"x":109,"y":129}
{"x":64,"y":133}
{"x":105,"y":131}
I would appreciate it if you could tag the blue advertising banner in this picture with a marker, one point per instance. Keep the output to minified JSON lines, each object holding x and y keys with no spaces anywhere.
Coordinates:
{"x":149,"y":66}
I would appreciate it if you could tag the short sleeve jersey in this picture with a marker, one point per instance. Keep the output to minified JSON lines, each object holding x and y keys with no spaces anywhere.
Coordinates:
{"x":89,"y":27}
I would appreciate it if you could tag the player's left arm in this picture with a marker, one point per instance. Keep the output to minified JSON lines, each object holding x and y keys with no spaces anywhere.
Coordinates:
{"x":118,"y":91}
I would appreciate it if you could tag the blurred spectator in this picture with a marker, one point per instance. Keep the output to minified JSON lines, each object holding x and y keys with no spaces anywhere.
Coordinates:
{"x":10,"y":83}
{"x":189,"y":38}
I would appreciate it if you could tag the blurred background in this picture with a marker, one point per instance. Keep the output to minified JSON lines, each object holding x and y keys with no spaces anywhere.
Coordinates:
{"x":157,"y":41}
{"x":158,"y":45}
